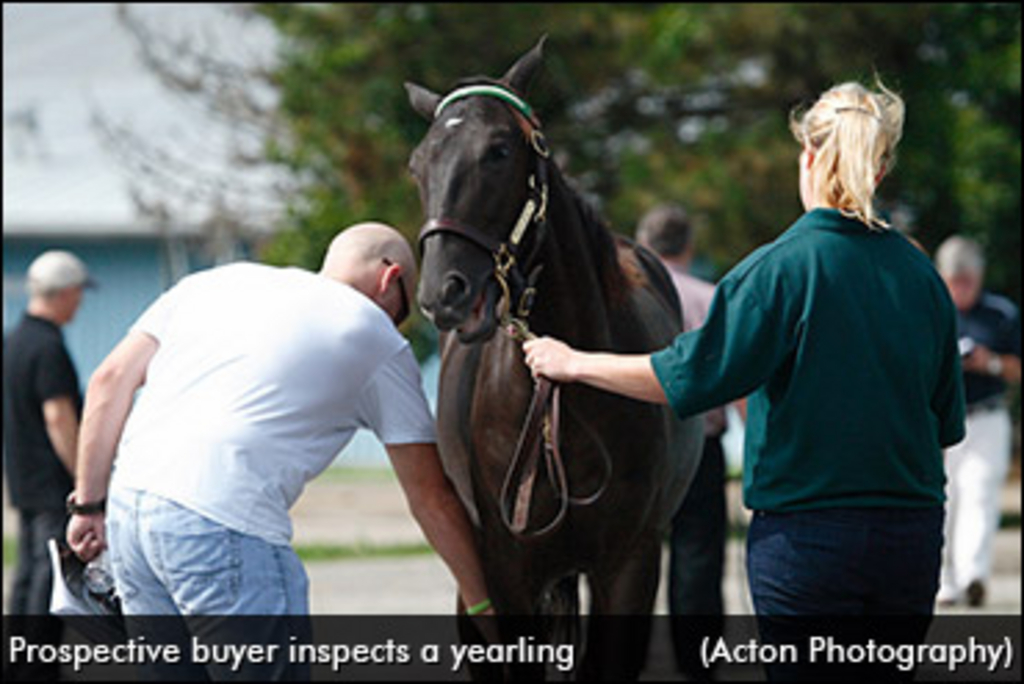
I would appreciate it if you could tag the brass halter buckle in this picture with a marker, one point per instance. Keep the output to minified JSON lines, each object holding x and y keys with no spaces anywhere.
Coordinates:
{"x":539,"y":143}
{"x":503,"y":263}
{"x":504,"y":260}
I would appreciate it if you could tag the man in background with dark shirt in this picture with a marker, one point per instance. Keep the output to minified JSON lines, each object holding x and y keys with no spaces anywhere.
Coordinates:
{"x":989,"y":336}
{"x":699,"y":527}
{"x":42,"y":408}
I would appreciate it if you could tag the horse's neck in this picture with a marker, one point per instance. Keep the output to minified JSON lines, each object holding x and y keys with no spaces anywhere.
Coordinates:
{"x":571,"y":295}
{"x":571,"y":298}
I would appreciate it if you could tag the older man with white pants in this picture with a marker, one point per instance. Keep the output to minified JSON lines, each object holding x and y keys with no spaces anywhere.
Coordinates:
{"x":989,"y":330}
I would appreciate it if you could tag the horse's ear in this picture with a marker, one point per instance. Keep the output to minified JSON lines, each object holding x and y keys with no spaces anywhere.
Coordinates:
{"x":422,"y":100}
{"x":522,"y":72}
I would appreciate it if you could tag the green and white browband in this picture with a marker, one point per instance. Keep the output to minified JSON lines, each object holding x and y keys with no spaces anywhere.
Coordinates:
{"x":489,"y":91}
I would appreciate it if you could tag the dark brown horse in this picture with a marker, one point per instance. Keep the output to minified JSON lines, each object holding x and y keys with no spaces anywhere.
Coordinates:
{"x":499,"y":211}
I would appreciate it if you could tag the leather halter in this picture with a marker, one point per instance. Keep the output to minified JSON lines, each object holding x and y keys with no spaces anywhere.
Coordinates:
{"x":541,"y":431}
{"x":517,"y":287}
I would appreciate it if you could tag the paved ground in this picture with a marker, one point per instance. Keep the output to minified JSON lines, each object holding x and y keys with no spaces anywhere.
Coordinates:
{"x":422,"y":584}
{"x":361,"y":508}
{"x":368,"y":508}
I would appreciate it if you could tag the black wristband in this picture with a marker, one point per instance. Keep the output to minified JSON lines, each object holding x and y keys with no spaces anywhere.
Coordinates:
{"x":86,"y":508}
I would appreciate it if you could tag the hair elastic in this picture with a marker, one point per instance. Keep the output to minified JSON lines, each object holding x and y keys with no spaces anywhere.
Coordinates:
{"x":840,"y":110}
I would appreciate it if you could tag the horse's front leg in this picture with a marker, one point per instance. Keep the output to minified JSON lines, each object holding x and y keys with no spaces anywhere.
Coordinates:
{"x":622,"y":599}
{"x":514,"y":593}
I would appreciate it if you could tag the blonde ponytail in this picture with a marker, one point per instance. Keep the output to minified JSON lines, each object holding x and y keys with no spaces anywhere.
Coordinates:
{"x":853,"y":134}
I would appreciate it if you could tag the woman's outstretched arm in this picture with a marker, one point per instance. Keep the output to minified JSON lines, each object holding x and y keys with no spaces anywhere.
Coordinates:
{"x":630,"y":375}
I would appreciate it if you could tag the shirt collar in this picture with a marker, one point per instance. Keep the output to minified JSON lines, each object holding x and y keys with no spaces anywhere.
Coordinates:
{"x":833,"y":219}
{"x":45,"y":322}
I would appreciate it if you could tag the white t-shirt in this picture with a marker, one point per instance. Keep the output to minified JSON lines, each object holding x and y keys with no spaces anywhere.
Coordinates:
{"x":262,"y":376}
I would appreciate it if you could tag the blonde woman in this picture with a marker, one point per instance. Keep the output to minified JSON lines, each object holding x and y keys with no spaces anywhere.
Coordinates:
{"x":844,"y":336}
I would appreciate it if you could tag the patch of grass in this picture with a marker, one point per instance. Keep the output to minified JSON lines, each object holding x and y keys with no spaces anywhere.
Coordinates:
{"x":10,"y":551}
{"x":352,"y":474}
{"x":313,"y":553}
{"x":737,"y":531}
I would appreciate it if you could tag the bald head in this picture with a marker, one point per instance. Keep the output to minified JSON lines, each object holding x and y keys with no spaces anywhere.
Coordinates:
{"x":360,"y":255}
{"x":364,"y":246}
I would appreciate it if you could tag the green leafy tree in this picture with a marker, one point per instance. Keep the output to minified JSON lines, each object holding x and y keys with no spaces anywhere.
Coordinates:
{"x":645,"y":103}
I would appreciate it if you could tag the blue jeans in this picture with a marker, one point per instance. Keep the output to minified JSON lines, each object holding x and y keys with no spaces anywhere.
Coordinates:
{"x":170,"y":561}
{"x":864,"y":566}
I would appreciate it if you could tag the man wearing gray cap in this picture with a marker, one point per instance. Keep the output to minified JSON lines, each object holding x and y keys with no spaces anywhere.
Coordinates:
{"x":42,"y":408}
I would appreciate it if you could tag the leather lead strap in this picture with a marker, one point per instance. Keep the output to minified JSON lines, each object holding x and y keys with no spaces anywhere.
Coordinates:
{"x":521,"y":477}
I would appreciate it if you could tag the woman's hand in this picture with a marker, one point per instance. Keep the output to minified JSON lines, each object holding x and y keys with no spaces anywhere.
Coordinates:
{"x":553,"y":359}
{"x":630,"y":375}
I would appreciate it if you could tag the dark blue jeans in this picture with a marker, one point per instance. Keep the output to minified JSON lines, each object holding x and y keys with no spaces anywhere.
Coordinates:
{"x":29,"y":602}
{"x":863,"y":566}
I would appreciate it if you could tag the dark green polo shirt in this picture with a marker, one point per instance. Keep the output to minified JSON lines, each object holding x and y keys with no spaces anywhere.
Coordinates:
{"x":845,"y":341}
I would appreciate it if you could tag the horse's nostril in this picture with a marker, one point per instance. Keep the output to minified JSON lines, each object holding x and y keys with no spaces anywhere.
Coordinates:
{"x":454,"y":290}
{"x":425,"y":306}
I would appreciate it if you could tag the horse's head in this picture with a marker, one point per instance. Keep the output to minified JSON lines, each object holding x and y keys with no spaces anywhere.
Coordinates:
{"x":474,"y":170}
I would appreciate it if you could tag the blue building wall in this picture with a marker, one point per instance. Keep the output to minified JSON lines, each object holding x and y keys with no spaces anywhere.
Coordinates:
{"x":131,"y":273}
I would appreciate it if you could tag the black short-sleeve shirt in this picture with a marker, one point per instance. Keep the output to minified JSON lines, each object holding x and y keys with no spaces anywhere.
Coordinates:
{"x":993,"y":322}
{"x":37,"y":367}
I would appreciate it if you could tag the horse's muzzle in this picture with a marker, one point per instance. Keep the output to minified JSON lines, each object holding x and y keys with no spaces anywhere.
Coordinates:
{"x":472,"y":318}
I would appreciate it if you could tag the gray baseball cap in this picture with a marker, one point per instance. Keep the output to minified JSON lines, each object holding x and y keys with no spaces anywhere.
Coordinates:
{"x":56,"y":270}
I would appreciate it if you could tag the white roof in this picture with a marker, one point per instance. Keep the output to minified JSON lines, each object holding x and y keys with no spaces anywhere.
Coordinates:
{"x":67,"y":66}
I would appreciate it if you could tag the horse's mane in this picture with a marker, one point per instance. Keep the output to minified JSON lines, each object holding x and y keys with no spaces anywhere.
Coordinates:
{"x":599,"y":234}
{"x":595,"y":227}
{"x":482,"y":80}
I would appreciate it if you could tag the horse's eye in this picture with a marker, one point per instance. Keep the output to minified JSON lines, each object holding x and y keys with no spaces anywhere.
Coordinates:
{"x":497,"y":152}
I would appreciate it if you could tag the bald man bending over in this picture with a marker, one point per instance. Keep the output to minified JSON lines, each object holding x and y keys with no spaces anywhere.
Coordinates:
{"x":252,"y":380}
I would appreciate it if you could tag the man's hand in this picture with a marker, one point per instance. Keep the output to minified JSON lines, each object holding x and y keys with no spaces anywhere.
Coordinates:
{"x":984,"y":361}
{"x":978,"y":360}
{"x":487,"y":624}
{"x":553,"y":359}
{"x":87,"y":535}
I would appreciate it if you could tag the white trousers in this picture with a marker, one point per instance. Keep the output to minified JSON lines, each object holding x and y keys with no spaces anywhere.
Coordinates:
{"x":975,"y":469}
